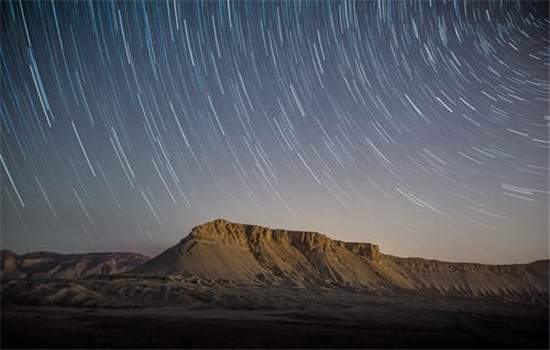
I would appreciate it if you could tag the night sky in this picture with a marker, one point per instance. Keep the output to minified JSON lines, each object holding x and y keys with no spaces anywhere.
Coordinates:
{"x":419,"y":126}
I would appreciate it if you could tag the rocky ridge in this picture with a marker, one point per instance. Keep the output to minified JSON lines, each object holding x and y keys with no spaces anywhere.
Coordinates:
{"x":66,"y":266}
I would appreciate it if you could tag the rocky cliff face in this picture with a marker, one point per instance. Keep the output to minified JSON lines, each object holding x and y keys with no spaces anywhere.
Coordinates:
{"x":66,"y":266}
{"x":253,"y":236}
{"x":250,"y":254}
{"x":222,"y":251}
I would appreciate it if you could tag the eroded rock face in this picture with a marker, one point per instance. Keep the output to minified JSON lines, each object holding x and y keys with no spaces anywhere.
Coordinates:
{"x":223,"y":231}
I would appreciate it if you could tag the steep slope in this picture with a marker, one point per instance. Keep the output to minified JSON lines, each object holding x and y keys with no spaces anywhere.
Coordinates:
{"x":54,"y":265}
{"x":248,"y":254}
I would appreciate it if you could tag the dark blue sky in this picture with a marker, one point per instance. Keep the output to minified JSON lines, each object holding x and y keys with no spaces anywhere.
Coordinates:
{"x":420,"y":126}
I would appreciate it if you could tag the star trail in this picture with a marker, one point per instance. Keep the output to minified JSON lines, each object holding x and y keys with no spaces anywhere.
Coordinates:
{"x":420,"y":126}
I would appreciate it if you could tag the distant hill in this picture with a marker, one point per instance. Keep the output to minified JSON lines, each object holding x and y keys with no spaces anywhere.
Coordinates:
{"x":243,"y":254}
{"x":66,"y":266}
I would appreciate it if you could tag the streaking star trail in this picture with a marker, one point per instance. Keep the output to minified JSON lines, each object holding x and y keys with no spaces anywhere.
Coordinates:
{"x":422,"y":126}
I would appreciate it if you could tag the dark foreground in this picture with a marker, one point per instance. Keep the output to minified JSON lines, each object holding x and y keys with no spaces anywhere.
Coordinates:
{"x":111,"y":314}
{"x":54,"y":328}
{"x":379,"y":326}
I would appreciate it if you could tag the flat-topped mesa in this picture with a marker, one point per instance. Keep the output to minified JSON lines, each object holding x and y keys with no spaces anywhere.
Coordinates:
{"x":239,"y":254}
{"x":223,"y":231}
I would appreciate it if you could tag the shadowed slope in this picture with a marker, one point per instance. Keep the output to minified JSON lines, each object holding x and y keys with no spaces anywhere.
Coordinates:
{"x":66,"y":266}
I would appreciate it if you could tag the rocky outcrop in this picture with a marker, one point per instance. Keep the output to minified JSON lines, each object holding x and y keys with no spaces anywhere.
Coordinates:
{"x":250,"y":254}
{"x":223,"y":231}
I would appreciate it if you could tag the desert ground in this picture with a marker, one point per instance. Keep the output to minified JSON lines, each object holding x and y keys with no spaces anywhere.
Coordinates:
{"x":157,"y":313}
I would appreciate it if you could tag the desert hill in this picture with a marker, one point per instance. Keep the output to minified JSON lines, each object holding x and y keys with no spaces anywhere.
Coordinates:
{"x":240,"y":254}
{"x":66,"y":266}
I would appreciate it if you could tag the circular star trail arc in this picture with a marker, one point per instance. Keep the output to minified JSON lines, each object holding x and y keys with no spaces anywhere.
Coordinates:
{"x":422,"y":126}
